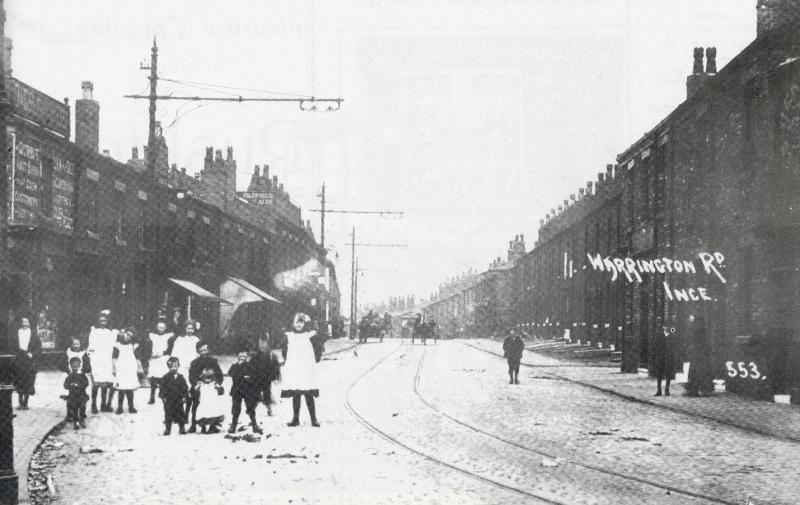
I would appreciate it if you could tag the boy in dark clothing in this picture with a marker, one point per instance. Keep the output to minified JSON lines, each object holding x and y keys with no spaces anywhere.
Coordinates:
{"x":512,"y":350}
{"x":266,"y":370}
{"x":244,"y":387}
{"x":173,"y":391}
{"x":196,"y":368}
{"x":76,"y":383}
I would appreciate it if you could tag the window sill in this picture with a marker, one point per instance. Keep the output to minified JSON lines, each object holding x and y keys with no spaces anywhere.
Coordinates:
{"x":121,"y":243}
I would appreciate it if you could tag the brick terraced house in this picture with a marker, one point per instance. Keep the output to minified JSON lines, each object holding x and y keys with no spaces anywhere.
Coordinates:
{"x":699,"y":216}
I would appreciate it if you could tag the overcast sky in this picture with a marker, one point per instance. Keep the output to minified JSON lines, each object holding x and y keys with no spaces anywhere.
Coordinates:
{"x":473,"y":117}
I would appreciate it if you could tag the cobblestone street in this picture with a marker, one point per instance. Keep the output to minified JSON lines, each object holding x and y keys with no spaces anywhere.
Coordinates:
{"x":434,"y":424}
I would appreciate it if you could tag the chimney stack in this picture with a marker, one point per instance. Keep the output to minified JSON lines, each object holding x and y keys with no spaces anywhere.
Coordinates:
{"x":207,"y":161}
{"x":711,"y":60}
{"x":698,"y":76}
{"x":87,"y":119}
{"x":134,"y":153}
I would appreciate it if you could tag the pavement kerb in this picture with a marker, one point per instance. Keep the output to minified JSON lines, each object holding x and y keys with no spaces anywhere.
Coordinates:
{"x":24,"y":492}
{"x":637,"y":399}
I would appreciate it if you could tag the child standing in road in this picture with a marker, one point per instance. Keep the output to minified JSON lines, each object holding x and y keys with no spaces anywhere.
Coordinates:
{"x":173,"y":391}
{"x":158,"y":357}
{"x":75,"y":350}
{"x":126,"y":378}
{"x":300,"y":371}
{"x":211,"y":406}
{"x":101,"y":344}
{"x":245,"y":388}
{"x":266,"y":370}
{"x":76,"y":384}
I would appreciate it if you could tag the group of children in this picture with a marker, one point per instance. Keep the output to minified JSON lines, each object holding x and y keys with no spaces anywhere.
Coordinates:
{"x":199,"y":400}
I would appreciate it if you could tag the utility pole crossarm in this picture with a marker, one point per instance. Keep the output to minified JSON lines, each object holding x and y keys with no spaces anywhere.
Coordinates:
{"x":379,"y":245}
{"x":381,"y":212}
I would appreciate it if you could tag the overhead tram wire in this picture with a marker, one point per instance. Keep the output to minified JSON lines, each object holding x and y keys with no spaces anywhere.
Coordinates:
{"x":190,"y":83}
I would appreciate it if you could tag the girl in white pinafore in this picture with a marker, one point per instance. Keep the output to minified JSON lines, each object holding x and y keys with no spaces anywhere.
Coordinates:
{"x":158,"y":360}
{"x":299,"y":373}
{"x":184,"y":347}
{"x":126,"y":376}
{"x":100,"y":348}
{"x":213,"y":405}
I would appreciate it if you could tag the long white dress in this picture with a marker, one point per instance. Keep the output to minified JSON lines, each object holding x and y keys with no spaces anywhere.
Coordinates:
{"x":100,"y":348}
{"x":212,"y":404}
{"x":158,"y":362}
{"x":185,"y":349}
{"x":126,"y":378}
{"x":299,"y":373}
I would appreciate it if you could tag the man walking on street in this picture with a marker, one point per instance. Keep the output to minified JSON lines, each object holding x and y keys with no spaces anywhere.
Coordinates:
{"x":512,"y":350}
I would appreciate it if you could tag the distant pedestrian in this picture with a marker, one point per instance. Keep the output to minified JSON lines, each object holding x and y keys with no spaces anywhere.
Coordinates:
{"x":101,"y":347}
{"x":174,"y":393}
{"x":76,"y":384}
{"x":299,"y":374}
{"x":243,"y":388}
{"x":125,"y":368}
{"x":158,"y":357}
{"x":513,"y":346}
{"x":266,"y":370}
{"x":211,"y":407}
{"x":196,"y":368}
{"x":664,"y":359}
{"x":26,"y":347}
{"x":701,"y":375}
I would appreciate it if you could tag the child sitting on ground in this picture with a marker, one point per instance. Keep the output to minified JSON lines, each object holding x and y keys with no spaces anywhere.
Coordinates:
{"x":211,"y":407}
{"x":76,"y":384}
{"x":244,"y":388}
{"x":173,"y":391}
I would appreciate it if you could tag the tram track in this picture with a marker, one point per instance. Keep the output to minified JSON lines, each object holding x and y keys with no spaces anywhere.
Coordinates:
{"x":547,"y":454}
{"x":388,"y":437}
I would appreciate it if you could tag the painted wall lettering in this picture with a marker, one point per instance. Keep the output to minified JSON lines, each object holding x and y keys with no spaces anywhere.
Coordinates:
{"x":634,"y":269}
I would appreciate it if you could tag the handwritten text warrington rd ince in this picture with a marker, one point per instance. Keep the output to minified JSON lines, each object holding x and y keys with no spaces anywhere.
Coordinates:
{"x":634,"y":269}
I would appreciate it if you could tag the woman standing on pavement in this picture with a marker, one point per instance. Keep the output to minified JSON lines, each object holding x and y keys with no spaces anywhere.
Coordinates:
{"x":664,"y":359}
{"x":26,"y":346}
{"x":101,"y":347}
{"x":299,"y":374}
{"x":701,"y":376}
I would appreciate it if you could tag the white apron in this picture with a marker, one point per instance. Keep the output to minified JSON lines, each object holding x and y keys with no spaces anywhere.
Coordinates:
{"x":299,"y":373}
{"x":158,"y":362}
{"x":101,"y":347}
{"x":185,"y":349}
{"x":127,"y":378}
{"x":212,"y":404}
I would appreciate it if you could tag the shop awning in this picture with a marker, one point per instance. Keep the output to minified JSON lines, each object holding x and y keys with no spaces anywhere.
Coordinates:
{"x":253,"y":289}
{"x":199,"y":292}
